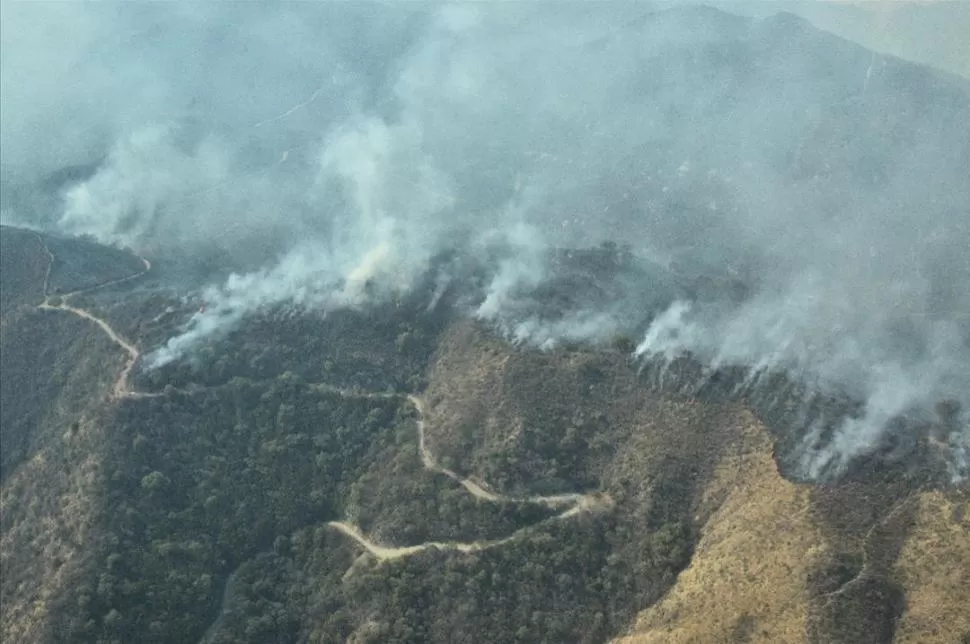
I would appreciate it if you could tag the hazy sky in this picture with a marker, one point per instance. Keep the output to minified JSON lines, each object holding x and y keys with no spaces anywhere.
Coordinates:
{"x":934,"y":32}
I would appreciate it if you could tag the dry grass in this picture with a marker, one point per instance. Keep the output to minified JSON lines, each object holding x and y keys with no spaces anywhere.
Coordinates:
{"x":747,"y":576}
{"x":758,"y":540}
{"x":467,"y":371}
{"x":487,"y":400}
{"x":934,"y":566}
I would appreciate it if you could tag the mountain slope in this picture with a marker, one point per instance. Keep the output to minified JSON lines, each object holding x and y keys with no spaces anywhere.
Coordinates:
{"x":56,"y":371}
{"x":934,"y":565}
{"x":283,"y":486}
{"x":747,"y":578}
{"x":403,"y":472}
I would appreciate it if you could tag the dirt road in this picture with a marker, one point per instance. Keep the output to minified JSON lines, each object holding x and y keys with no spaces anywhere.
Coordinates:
{"x":475,"y":489}
{"x":578,"y":502}
{"x":121,"y":388}
{"x":385,"y":553}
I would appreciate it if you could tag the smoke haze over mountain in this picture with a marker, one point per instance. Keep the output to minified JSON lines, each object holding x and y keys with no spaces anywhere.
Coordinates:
{"x":334,"y":151}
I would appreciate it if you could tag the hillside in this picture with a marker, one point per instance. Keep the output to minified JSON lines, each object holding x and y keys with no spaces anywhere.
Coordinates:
{"x":516,"y":329}
{"x":559,"y":496}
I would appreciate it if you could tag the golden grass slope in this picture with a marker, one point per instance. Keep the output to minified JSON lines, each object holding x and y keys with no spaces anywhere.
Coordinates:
{"x":747,"y":578}
{"x":746,"y":581}
{"x":934,"y":567}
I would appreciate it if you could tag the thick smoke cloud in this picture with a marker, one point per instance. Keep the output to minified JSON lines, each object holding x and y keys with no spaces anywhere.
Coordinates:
{"x":202,"y":123}
{"x":336,"y":150}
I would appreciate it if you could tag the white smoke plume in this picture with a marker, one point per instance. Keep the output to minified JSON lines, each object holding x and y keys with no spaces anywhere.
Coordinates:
{"x":333,"y":150}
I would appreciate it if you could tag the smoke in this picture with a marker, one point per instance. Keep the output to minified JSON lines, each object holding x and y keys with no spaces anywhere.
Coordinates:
{"x":190,"y":127}
{"x":334,"y":151}
{"x":924,"y":31}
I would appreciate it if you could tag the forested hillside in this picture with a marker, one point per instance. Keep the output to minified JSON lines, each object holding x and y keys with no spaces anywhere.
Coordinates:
{"x":401,"y":475}
{"x":479,"y":323}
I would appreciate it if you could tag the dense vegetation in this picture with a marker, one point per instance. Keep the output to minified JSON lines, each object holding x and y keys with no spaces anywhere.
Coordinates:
{"x":205,"y":481}
{"x":81,"y":263}
{"x":55,"y":366}
{"x":215,"y":491}
{"x":561,"y":581}
{"x":23,"y":268}
{"x":212,"y":493}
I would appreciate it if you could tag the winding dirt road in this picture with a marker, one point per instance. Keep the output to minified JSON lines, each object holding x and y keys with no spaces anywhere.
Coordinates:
{"x":385,"y":553}
{"x":121,"y":389}
{"x":587,"y":503}
{"x":578,"y":503}
{"x":475,"y":489}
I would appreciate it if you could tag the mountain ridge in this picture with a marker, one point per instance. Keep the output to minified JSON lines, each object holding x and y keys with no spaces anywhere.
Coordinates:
{"x":417,"y":466}
{"x":710,"y":484}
